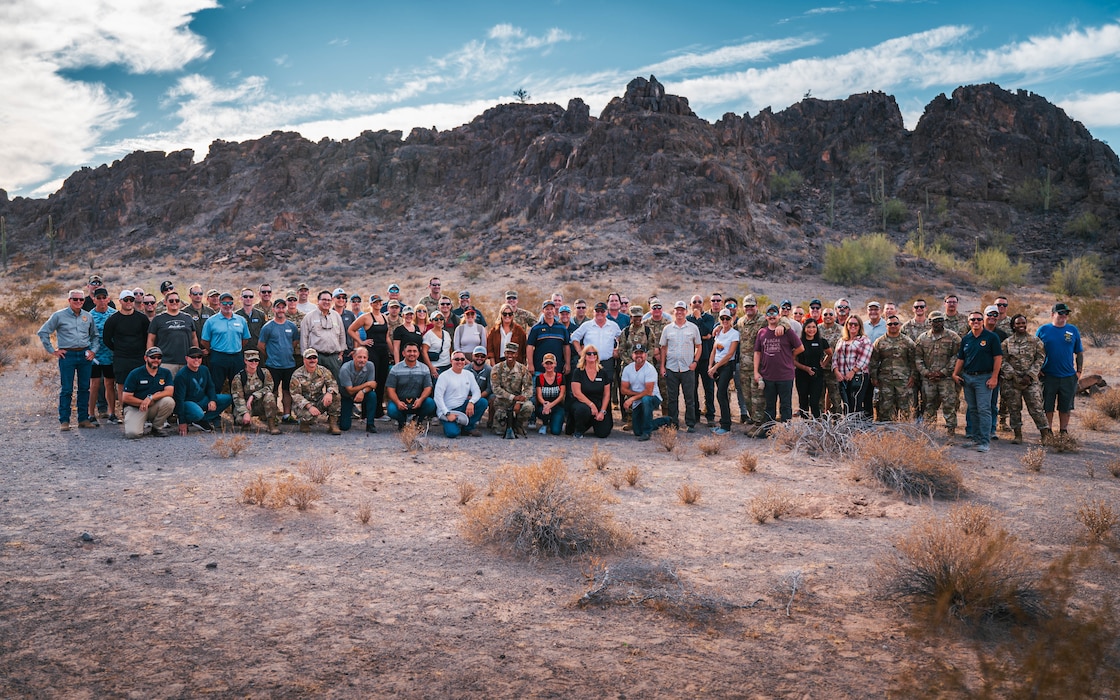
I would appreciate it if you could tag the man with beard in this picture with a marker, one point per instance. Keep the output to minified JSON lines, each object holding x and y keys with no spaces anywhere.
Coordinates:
{"x":148,"y":396}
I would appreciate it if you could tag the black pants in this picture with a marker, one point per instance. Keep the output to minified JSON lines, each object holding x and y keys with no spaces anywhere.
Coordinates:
{"x":722,"y":383}
{"x":810,"y":389}
{"x":702,"y":379}
{"x":582,"y":420}
{"x":379,"y":355}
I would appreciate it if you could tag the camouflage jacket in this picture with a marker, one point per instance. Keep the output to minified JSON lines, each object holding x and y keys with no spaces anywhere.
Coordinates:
{"x":309,"y":387}
{"x":937,"y":353}
{"x":252,"y":388}
{"x":634,"y":334}
{"x":655,"y":328}
{"x":1004,"y":324}
{"x":524,"y":319}
{"x":893,"y":359}
{"x":833,"y":336}
{"x":958,"y":324}
{"x":295,"y":317}
{"x":508,"y":383}
{"x":748,"y":332}
{"x":914,"y":328}
{"x":1023,"y":356}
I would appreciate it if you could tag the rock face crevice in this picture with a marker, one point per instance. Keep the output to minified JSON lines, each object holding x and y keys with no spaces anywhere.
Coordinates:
{"x":646,"y":169}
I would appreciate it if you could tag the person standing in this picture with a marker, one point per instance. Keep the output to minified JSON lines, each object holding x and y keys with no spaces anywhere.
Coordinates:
{"x":254,"y":317}
{"x":78,"y":343}
{"x":322,"y":330}
{"x":811,"y":369}
{"x":893,"y":372}
{"x":850,"y":361}
{"x":603,"y":333}
{"x":1023,"y":355}
{"x":225,"y":336}
{"x":126,"y":334}
{"x":680,"y":351}
{"x":1061,"y":371}
{"x":934,"y":357}
{"x":102,"y":376}
{"x":832,"y":332}
{"x":375,"y":327}
{"x":774,"y":356}
{"x":706,"y":324}
{"x":977,"y":370}
{"x":174,"y":332}
{"x":721,"y":366}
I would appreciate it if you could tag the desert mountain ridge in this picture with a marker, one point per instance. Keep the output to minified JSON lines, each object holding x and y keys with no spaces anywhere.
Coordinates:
{"x":554,"y":186}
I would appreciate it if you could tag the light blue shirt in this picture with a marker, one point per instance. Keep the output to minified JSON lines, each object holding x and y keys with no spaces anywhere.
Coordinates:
{"x":225,"y":334}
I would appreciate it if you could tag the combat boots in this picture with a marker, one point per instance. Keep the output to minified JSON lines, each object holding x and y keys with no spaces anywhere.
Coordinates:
{"x":1018,"y":439}
{"x":332,"y":426}
{"x":1047,"y":436}
{"x":304,"y":426}
{"x":273,"y":426}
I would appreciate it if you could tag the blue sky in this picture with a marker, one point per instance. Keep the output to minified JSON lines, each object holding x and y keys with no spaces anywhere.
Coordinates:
{"x":84,"y":82}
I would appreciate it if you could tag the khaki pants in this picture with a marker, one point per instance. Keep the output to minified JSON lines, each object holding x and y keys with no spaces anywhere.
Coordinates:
{"x":158,"y":412}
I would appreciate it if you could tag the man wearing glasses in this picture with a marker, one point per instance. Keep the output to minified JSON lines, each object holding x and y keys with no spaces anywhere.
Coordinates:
{"x":225,"y":336}
{"x":831,"y":331}
{"x":774,"y":354}
{"x":464,"y":304}
{"x":977,"y":370}
{"x":314,"y":393}
{"x":265,"y":304}
{"x":174,"y":332}
{"x":322,"y":330}
{"x":126,"y":334}
{"x":148,"y":306}
{"x":254,"y":317}
{"x":78,"y":341}
{"x":459,"y":402}
{"x":148,"y":396}
{"x":431,"y":299}
{"x":92,"y":286}
{"x":580,"y":316}
{"x":196,"y":309}
{"x":520,"y":316}
{"x":706,"y":324}
{"x":954,"y":321}
{"x":1061,"y":371}
{"x":893,"y":371}
{"x":935,"y":357}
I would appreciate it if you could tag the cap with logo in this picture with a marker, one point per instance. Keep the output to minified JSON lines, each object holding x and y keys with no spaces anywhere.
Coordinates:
{"x":153,"y":351}
{"x":126,"y":294}
{"x":479,"y":350}
{"x":310,"y":352}
{"x":165,"y":285}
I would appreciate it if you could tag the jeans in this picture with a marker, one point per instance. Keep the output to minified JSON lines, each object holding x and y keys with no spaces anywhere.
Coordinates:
{"x":642,"y":413}
{"x":979,"y":399}
{"x":723,"y":383}
{"x":675,"y":384}
{"x":191,"y":412}
{"x":995,"y":415}
{"x":852,"y":393}
{"x":427,"y":409}
{"x":453,"y":429}
{"x":554,"y":419}
{"x":224,"y":366}
{"x":810,"y":390}
{"x":775,"y":392}
{"x":74,"y":362}
{"x":346,"y":417}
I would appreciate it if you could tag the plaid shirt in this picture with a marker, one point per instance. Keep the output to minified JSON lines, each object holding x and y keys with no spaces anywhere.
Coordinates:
{"x":852,"y":354}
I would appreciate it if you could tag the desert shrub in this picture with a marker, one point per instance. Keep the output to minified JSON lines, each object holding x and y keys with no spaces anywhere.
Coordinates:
{"x":895,"y":211}
{"x":667,"y":437}
{"x":782,"y":184}
{"x":972,"y":518}
{"x":711,"y":445}
{"x":689,"y":493}
{"x":467,"y":490}
{"x":1113,"y":467}
{"x":227,"y":447}
{"x":771,"y":503}
{"x":1097,"y":515}
{"x":599,"y":459}
{"x":256,"y":491}
{"x":1085,"y":225}
{"x":1029,"y":194}
{"x":632,"y":474}
{"x":412,"y":435}
{"x":302,"y":494}
{"x":317,"y":472}
{"x":1064,"y":443}
{"x":1108,"y":403}
{"x":748,"y":462}
{"x":1080,"y":276}
{"x":1033,"y":459}
{"x":617,"y":480}
{"x":910,"y":465}
{"x":829,"y":434}
{"x":866,"y":260}
{"x":1097,"y":320}
{"x":996,"y":269}
{"x":542,"y":510}
{"x":1094,"y":420}
{"x":365,"y":512}
{"x":945,"y":573}
{"x":655,"y":585}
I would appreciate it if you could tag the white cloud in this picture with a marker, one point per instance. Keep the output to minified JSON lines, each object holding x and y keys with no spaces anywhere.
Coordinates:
{"x":751,"y":52}
{"x":1094,"y":110}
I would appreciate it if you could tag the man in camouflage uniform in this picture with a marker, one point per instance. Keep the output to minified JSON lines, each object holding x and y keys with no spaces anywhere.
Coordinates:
{"x":315,"y":392}
{"x":254,"y":394}
{"x":293,"y":314}
{"x":1004,"y":331}
{"x":512,"y":385}
{"x":520,"y":316}
{"x":956,"y":322}
{"x":831,"y":331}
{"x":658,"y":319}
{"x":893,"y":371}
{"x":1023,"y":355}
{"x":637,"y":332}
{"x":913,"y":329}
{"x":935,"y":358}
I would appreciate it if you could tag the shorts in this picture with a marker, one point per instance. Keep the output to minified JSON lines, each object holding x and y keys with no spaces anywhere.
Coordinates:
{"x":281,"y":378}
{"x":123,"y":365}
{"x":1061,"y":389}
{"x":102,"y":371}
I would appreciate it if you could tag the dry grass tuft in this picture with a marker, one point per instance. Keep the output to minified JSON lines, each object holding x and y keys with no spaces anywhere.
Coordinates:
{"x":317,"y":472}
{"x":617,"y":481}
{"x":1095,"y":421}
{"x":543,"y":510}
{"x":467,"y":491}
{"x":653,"y":585}
{"x":365,"y":512}
{"x":302,"y":494}
{"x":1064,"y":443}
{"x":711,"y":445}
{"x":227,"y":447}
{"x":1033,"y":459}
{"x":1108,"y":403}
{"x":972,"y":518}
{"x":1098,"y":516}
{"x":599,"y":459}
{"x":1114,"y":467}
{"x":256,"y":491}
{"x":632,"y":474}
{"x":910,"y":465}
{"x":830,"y":434}
{"x":945,"y":573}
{"x":668,"y":437}
{"x":771,"y":503}
{"x":748,"y":462}
{"x":689,"y":493}
{"x":412,"y":436}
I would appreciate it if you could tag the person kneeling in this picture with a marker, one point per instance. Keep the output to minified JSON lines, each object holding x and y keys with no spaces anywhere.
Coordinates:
{"x":357,"y":381}
{"x":639,"y":386}
{"x":314,"y":392}
{"x":254,"y":394}
{"x":147,"y":396}
{"x":194,"y":389}
{"x":459,"y":402}
{"x":408,"y":390}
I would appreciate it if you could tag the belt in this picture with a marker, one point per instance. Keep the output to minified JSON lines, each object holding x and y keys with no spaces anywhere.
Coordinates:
{"x":74,"y":349}
{"x":974,"y":374}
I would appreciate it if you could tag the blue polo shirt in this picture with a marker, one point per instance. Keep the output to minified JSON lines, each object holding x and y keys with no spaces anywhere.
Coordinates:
{"x":1061,"y":345}
{"x":225,"y":334}
{"x":549,"y":339}
{"x":979,"y":352}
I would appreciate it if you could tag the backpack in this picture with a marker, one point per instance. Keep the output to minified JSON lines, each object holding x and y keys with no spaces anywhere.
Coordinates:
{"x":245,"y":380}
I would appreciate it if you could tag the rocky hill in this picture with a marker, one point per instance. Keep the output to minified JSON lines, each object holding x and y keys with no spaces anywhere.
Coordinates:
{"x":553,"y":186}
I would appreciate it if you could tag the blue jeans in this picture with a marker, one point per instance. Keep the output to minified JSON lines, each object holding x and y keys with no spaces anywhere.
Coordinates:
{"x":642,"y":414}
{"x":554,"y":420}
{"x":995,"y":414}
{"x":979,"y":399}
{"x":427,"y":409}
{"x":191,"y":412}
{"x":346,"y":408}
{"x":75,"y":362}
{"x":453,"y":429}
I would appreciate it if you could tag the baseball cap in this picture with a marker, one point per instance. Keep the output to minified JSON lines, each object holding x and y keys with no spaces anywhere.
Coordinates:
{"x":1060,"y":306}
{"x":512,"y":347}
{"x":548,"y":356}
{"x":510,"y":294}
{"x":564,"y":308}
{"x":338,"y":292}
{"x":252,"y":355}
{"x":937,"y":316}
{"x":635,"y":309}
{"x":212,"y":292}
{"x":225,"y":295}
{"x":749,"y":300}
{"x":464,"y":294}
{"x":280,"y":302}
{"x":302,"y":286}
{"x":194,"y":351}
{"x":680,"y":304}
{"x":874,"y":304}
{"x":126,"y":294}
{"x":394,"y":302}
{"x":772,"y":309}
{"x":725,"y":313}
{"x":600,"y":306}
{"x":310,"y":352}
{"x":94,"y":278}
{"x":548,"y":302}
{"x":101,"y":292}
{"x":394,"y":288}
{"x":639,"y":347}
{"x":991,"y":309}
{"x":787,"y":302}
{"x":479,"y":350}
{"x":374,"y":297}
{"x":815,"y":302}
{"x":153,"y":351}
{"x":166,"y":285}
{"x":355,"y":297}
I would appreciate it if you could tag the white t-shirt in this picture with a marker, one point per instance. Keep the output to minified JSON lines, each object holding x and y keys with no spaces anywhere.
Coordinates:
{"x":722,"y":346}
{"x":638,"y":378}
{"x":441,"y":343}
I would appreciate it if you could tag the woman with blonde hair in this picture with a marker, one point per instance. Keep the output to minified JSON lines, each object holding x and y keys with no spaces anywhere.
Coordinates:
{"x":506,"y":331}
{"x":850,"y":361}
{"x":591,"y":391}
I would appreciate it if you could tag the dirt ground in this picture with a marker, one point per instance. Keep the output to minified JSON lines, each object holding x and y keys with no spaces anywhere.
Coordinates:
{"x":133,"y":569}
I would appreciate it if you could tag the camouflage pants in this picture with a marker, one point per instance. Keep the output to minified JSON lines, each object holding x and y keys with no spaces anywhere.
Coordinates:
{"x":833,"y":401}
{"x":1016,"y":397}
{"x":500,"y":407}
{"x":752,"y":392}
{"x":894,"y":400}
{"x":941,"y":393}
{"x":265,"y":408}
{"x":303,"y":413}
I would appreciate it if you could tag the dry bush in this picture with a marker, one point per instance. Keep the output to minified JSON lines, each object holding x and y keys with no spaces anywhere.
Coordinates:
{"x":748,"y":462}
{"x":302,"y":494}
{"x":667,"y":437}
{"x":317,"y":472}
{"x":256,"y":491}
{"x":467,"y":490}
{"x":365,"y":512}
{"x":771,"y":503}
{"x":1064,"y":443}
{"x":412,"y":435}
{"x":944,"y":573}
{"x":1033,"y":459}
{"x":689,"y":493}
{"x":1114,"y":468}
{"x":227,"y":447}
{"x":830,"y":434}
{"x":1108,"y":403}
{"x":617,"y":481}
{"x":972,"y":518}
{"x":656,"y":586}
{"x":278,"y":497}
{"x":1095,"y":421}
{"x":1097,"y":515}
{"x":711,"y":445}
{"x":910,"y":465}
{"x":543,"y":510}
{"x":599,"y":459}
{"x":632,"y":474}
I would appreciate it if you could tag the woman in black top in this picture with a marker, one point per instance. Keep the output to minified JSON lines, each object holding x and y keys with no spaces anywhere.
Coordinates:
{"x":808,"y":374}
{"x":591,"y":390}
{"x":550,"y":396}
{"x":376,"y":327}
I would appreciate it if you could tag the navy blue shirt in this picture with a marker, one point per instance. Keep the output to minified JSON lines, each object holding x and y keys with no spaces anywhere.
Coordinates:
{"x":142,"y":385}
{"x":707,"y":324}
{"x":979,"y":352}
{"x":549,"y":339}
{"x":623,"y":320}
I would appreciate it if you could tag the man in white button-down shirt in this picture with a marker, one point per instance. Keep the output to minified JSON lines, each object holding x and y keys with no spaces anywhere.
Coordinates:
{"x":601,"y":332}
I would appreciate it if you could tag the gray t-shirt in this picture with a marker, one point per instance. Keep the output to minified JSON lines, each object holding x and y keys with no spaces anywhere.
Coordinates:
{"x":409,"y":382}
{"x":348,"y":376}
{"x":173,"y":336}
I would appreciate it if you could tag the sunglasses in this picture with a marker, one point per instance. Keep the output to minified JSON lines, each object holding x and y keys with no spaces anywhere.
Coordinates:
{"x":1063,"y":313}
{"x":506,"y":313}
{"x":919,"y":306}
{"x":224,"y":303}
{"x":172,"y":301}
{"x":1001,"y":305}
{"x":843,"y":308}
{"x":771,"y":313}
{"x":592,"y":353}
{"x":266,"y":291}
{"x":198,"y":294}
{"x":463,"y":359}
{"x":82,"y":299}
{"x":550,"y":362}
{"x":975,"y":320}
{"x":894,"y":324}
{"x":155,"y":357}
{"x":95,"y":284}
{"x":248,"y":360}
{"x":994,"y":314}
{"x":829,"y":315}
{"x":581,"y":308}
{"x":152,"y":303}
{"x":854,"y":324}
{"x":311,"y":359}
{"x":247,"y":296}
{"x":129,"y":299}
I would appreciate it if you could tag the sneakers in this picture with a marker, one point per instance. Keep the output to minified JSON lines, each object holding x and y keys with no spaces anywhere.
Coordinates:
{"x":691,"y":429}
{"x":371,"y":428}
{"x":203,"y":425}
{"x":160,"y":432}
{"x":474,"y":433}
{"x":113,"y":419}
{"x":720,"y":431}
{"x":88,"y":424}
{"x":982,"y":448}
{"x":579,"y":436}
{"x":643,"y":437}
{"x":543,"y":430}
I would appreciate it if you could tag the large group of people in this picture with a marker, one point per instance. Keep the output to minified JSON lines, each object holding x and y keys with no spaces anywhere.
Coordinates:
{"x":150,"y":362}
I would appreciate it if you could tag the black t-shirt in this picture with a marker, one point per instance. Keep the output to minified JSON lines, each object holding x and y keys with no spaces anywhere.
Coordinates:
{"x":173,"y":336}
{"x":814,"y":352}
{"x":592,"y":389}
{"x":408,"y":337}
{"x":126,"y":335}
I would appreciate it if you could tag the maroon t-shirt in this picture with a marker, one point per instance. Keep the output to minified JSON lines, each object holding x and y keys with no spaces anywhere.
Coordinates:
{"x":775,"y":354}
